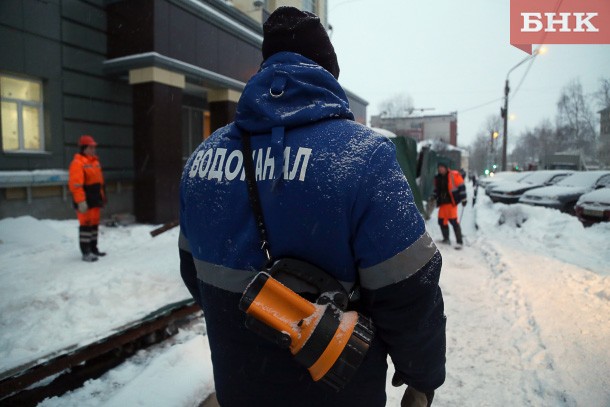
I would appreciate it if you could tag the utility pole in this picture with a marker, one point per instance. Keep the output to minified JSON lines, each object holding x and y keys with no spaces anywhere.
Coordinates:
{"x":504,"y":112}
{"x":492,"y":151}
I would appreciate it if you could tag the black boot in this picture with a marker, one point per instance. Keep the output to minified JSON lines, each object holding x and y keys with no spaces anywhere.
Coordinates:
{"x":94,"y":248}
{"x":458,"y":233}
{"x":84,"y":237}
{"x":445,"y":232}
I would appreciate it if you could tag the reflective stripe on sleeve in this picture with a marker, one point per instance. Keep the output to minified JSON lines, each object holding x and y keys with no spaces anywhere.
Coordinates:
{"x":401,"y":266}
{"x":225,"y":278}
{"x":236,"y":281}
{"x":183,"y":243}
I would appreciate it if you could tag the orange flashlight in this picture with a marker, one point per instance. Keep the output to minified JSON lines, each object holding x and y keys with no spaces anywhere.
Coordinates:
{"x":330,"y":342}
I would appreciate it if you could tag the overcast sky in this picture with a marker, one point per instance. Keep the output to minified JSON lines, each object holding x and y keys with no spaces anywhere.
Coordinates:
{"x":453,"y":57}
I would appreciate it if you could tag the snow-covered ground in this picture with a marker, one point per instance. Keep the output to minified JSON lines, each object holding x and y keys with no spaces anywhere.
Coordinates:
{"x":527,"y":301}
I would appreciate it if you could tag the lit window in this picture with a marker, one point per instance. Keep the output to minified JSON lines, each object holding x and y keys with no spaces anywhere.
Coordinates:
{"x":21,"y":117}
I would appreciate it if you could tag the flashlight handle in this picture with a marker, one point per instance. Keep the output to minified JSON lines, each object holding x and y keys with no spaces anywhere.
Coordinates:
{"x":330,"y":289}
{"x":281,"y":339}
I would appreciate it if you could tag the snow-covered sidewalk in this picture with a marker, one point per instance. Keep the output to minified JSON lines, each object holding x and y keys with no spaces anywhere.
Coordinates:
{"x":523,"y":329}
{"x":528,"y":310}
{"x":50,"y":299}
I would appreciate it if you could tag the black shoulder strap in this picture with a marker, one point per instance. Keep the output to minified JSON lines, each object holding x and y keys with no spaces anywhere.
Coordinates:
{"x":299,"y":269}
{"x":254,"y":196}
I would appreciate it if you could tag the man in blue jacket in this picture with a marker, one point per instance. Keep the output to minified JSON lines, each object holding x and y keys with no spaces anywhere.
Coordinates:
{"x":333,"y":195}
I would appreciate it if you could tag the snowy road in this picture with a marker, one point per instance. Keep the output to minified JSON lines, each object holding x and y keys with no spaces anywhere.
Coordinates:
{"x":528,"y":310}
{"x":523,"y":327}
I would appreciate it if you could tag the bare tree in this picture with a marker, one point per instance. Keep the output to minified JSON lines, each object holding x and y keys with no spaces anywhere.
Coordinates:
{"x":602,"y":96}
{"x":576,"y":130}
{"x":526,"y":149}
{"x":398,"y":105}
{"x":548,"y":141}
{"x":603,"y":99}
{"x":533,"y":145}
{"x":483,"y":152}
{"x":479,"y":153}
{"x":575,"y":120}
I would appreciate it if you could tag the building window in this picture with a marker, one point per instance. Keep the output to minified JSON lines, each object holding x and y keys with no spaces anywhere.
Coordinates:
{"x":21,"y":114}
{"x":195,"y":129}
{"x":309,"y":5}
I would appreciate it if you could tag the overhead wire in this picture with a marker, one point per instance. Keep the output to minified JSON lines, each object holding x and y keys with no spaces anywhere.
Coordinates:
{"x":557,"y":6}
{"x":479,"y":106}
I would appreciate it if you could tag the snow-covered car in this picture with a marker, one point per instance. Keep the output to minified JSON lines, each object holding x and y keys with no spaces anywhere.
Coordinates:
{"x":594,"y":207}
{"x":565,"y":193}
{"x":510,"y":192}
{"x":508,"y":177}
{"x":484,"y":181}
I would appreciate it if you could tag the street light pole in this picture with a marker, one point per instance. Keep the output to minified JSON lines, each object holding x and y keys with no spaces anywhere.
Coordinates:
{"x":505,"y":117}
{"x":504,"y":110}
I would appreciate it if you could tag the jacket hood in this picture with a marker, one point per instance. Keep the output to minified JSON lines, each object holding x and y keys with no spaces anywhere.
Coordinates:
{"x":290,"y":91}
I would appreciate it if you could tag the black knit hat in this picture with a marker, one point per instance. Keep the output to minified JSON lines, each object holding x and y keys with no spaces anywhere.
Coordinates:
{"x":290,"y":29}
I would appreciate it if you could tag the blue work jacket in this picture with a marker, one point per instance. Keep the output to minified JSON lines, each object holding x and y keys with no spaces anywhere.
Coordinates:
{"x":333,"y":195}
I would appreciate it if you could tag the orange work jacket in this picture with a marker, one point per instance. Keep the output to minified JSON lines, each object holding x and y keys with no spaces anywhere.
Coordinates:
{"x":456,"y":191}
{"x":86,"y":181}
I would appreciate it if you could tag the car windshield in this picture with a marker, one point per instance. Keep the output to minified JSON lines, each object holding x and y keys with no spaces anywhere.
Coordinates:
{"x":513,"y":176}
{"x":580,"y":179}
{"x":537,"y":178}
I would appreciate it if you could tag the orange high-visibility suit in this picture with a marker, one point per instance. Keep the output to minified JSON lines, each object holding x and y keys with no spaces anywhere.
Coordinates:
{"x":86,"y":183}
{"x":449,"y":190}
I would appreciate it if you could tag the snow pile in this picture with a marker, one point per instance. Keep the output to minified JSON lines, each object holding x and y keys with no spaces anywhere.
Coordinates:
{"x":547,"y":232}
{"x":175,"y":373}
{"x":528,"y":310}
{"x":50,"y":299}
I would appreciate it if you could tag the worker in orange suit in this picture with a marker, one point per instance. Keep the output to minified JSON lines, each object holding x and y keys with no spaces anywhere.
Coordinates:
{"x":449,"y":191}
{"x":86,"y":183}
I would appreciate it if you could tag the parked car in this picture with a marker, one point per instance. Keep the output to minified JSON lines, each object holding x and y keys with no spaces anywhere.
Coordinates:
{"x":565,"y":193}
{"x":508,"y":177}
{"x":510,"y":192}
{"x":484,"y":181}
{"x":594,"y":207}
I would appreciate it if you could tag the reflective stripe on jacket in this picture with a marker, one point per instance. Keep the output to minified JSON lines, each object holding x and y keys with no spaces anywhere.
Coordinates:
{"x":333,"y":195}
{"x":455,"y":187}
{"x":86,"y":181}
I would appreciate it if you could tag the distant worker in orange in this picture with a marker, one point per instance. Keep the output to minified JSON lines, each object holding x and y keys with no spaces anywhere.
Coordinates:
{"x":86,"y":183}
{"x":449,"y":190}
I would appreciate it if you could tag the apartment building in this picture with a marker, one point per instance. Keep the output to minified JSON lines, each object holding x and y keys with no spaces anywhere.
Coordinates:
{"x":420,"y":127}
{"x":149,"y":79}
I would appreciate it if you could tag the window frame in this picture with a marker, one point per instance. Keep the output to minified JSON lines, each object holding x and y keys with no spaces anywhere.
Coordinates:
{"x":20,"y":124}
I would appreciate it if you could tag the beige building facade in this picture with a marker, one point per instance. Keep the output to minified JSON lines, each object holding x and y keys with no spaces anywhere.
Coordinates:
{"x":421,"y":127}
